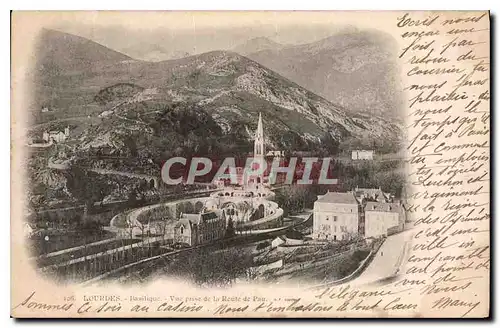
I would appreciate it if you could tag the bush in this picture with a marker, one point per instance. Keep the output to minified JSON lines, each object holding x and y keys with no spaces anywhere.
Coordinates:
{"x":263,"y":245}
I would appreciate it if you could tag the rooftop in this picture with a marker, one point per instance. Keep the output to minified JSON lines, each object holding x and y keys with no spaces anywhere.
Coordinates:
{"x":338,"y":198}
{"x":382,"y":207}
{"x":377,"y":194}
{"x":184,"y":222}
{"x":193,"y":218}
{"x":209,"y":215}
{"x":197,"y":218}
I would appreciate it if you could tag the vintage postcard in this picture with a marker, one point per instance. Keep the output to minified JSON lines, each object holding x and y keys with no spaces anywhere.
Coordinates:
{"x":250,"y":164}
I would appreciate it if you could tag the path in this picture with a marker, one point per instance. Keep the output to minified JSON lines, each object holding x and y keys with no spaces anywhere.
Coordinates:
{"x":72,"y":249}
{"x":116,"y":201}
{"x":300,"y":219}
{"x":34,"y":126}
{"x":139,"y":262}
{"x":389,"y":259}
{"x":144,"y":243}
{"x":65,"y":166}
{"x":126,"y":174}
{"x":132,"y":215}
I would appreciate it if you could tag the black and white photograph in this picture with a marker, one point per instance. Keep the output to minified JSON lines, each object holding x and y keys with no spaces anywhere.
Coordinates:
{"x":224,"y":150}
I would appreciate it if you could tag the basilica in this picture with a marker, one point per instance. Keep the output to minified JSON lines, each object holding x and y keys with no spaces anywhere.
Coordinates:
{"x":248,"y":205}
{"x":252,"y":198}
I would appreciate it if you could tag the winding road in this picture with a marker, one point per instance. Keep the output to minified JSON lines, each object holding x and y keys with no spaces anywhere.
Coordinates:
{"x":389,"y":260}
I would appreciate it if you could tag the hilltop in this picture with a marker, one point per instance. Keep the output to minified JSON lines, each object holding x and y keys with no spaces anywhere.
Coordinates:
{"x":355,"y":69}
{"x":256,"y":45}
{"x":207,"y":103}
{"x":61,"y":53}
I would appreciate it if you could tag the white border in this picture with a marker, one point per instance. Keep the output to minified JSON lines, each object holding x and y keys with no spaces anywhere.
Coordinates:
{"x":6,"y":321}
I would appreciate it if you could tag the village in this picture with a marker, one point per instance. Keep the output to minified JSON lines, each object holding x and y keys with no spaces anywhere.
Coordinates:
{"x":252,"y":230}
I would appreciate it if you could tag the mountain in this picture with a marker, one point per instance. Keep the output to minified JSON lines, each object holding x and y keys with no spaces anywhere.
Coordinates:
{"x":148,"y":51}
{"x":355,"y":69}
{"x":203,"y":104}
{"x":63,"y":51}
{"x":163,"y":55}
{"x":256,"y":45}
{"x":68,"y":60}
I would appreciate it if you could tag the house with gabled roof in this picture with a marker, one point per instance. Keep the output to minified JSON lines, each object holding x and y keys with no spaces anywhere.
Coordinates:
{"x":201,"y":228}
{"x":336,"y":216}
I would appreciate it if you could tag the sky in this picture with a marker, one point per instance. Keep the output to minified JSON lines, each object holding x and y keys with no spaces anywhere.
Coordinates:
{"x":159,"y":37}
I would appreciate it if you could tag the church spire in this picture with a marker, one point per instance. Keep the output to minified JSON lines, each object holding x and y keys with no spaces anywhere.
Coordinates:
{"x":259,"y":149}
{"x":260,"y":129}
{"x":259,"y":139}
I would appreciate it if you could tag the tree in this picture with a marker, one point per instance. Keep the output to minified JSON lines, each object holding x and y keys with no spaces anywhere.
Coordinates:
{"x":130,"y":229}
{"x":161,"y":227}
{"x":263,"y":245}
{"x":230,"y":228}
{"x":87,"y":187}
{"x":91,"y":227}
{"x":211,"y":267}
{"x":293,"y":199}
{"x":132,"y":198}
{"x":330,"y":146}
{"x":130,"y":142}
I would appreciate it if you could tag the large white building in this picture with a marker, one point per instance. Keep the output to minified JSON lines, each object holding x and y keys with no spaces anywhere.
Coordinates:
{"x":362,"y":154}
{"x":336,"y":216}
{"x":382,"y":219}
{"x":276,"y":153}
{"x":56,"y":136}
{"x":369,"y":213}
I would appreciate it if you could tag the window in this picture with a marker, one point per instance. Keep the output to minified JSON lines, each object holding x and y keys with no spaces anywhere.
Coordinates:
{"x":334,"y":219}
{"x":182,"y":230}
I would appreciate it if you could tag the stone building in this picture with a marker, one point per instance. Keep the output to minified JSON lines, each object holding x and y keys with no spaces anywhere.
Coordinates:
{"x":249,"y":204}
{"x":186,"y":230}
{"x":202,"y":228}
{"x":383,"y":219}
{"x":276,"y":153}
{"x":336,"y":216}
{"x":277,"y":242}
{"x":362,"y":154}
{"x":57,"y":136}
{"x":365,"y":212}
